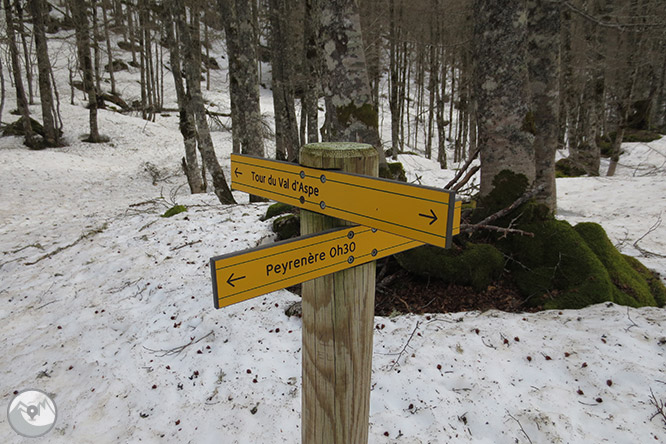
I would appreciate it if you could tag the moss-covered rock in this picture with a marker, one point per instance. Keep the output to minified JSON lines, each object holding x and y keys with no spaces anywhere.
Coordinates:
{"x":396,"y":172}
{"x":573,"y":267}
{"x":630,"y":287}
{"x":278,"y":208}
{"x":176,"y":209}
{"x":568,"y":168}
{"x":476,"y":265}
{"x":556,"y":268}
{"x":657,"y":288}
{"x":287,"y":226}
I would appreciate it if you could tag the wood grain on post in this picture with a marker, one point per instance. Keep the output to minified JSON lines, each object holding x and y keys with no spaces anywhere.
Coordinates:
{"x":338,"y":313}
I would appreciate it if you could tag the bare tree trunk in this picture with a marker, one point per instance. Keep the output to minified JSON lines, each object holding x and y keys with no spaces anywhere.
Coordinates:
{"x":80,"y":16}
{"x":21,"y":100}
{"x":286,"y":128}
{"x":505,"y":129}
{"x":441,"y":122}
{"x":3,"y":92}
{"x":51,"y":136}
{"x":26,"y":50}
{"x":109,"y":53}
{"x":313,"y":62}
{"x":243,"y":75}
{"x":394,"y":75}
{"x":543,"y":63}
{"x":187,"y":124}
{"x":352,"y":114}
{"x":95,"y":44}
{"x":193,"y":79}
{"x":130,"y":26}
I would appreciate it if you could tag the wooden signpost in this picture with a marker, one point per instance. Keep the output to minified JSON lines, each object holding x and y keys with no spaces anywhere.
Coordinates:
{"x":416,"y":212}
{"x":334,"y":261}
{"x":250,"y":273}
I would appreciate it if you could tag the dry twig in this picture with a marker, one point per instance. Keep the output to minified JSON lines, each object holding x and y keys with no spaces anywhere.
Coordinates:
{"x":176,"y":350}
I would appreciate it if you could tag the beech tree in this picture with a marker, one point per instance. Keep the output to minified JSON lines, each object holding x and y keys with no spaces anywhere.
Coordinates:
{"x":49,"y":113}
{"x":21,"y":100}
{"x":239,"y":27}
{"x":351,"y":113}
{"x":79,"y":10}
{"x":506,"y":125}
{"x":192,"y":71}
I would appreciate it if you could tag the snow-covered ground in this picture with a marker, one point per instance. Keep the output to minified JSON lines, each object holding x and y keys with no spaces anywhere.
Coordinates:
{"x":108,"y":306}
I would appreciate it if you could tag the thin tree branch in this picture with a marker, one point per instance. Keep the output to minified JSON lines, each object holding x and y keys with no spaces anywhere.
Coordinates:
{"x":485,"y":223}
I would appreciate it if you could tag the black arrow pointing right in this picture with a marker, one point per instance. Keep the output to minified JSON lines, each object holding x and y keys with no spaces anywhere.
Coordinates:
{"x":231,"y":281}
{"x":432,"y":216}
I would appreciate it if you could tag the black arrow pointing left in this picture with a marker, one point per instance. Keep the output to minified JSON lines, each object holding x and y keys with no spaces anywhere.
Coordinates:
{"x":432,"y":216}
{"x":237,"y":173}
{"x":231,"y":279}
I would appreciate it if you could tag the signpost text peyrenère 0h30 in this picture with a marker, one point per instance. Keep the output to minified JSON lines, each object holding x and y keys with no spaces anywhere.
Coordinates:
{"x":402,"y":216}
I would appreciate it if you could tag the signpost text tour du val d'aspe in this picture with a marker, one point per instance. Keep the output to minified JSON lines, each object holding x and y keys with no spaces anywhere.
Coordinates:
{"x":392,"y":216}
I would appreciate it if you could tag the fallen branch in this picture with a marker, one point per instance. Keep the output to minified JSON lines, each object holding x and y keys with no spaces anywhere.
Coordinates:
{"x":660,"y":406}
{"x":462,"y":170}
{"x":189,"y":244}
{"x":643,"y":251}
{"x":466,"y":228}
{"x":503,"y":212}
{"x":416,"y":327}
{"x":84,"y":236}
{"x":177,"y":350}
{"x":519,"y":425}
{"x":467,"y":177}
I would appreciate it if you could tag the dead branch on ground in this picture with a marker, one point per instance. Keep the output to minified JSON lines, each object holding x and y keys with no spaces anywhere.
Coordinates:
{"x":84,"y":236}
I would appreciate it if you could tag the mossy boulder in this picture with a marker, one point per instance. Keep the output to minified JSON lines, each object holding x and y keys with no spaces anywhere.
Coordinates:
{"x":476,"y":265}
{"x":657,"y":288}
{"x":568,"y":168}
{"x":573,"y":267}
{"x":287,"y":226}
{"x":556,"y":268}
{"x":396,"y":172}
{"x":631,"y":287}
{"x":277,"y":209}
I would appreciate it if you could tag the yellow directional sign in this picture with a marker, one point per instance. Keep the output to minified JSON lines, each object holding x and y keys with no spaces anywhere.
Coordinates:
{"x":250,"y":273}
{"x":416,"y":212}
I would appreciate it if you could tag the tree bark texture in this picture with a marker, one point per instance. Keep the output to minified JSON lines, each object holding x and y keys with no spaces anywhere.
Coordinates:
{"x":187,"y":124}
{"x":193,"y":81}
{"x":505,"y":123}
{"x":544,"y":69}
{"x":80,"y":17}
{"x":21,"y":100}
{"x":243,"y":75}
{"x":282,"y":62}
{"x":350,"y":111}
{"x":51,"y":136}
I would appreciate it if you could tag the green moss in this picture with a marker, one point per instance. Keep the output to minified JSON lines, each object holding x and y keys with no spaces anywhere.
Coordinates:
{"x":568,"y":168}
{"x":507,"y":187}
{"x":631,"y":288}
{"x":656,"y":286}
{"x":556,"y":268}
{"x":477,"y":265}
{"x":365,"y":113}
{"x":287,"y":226}
{"x":396,"y":172}
{"x":176,"y":209}
{"x":277,"y":209}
